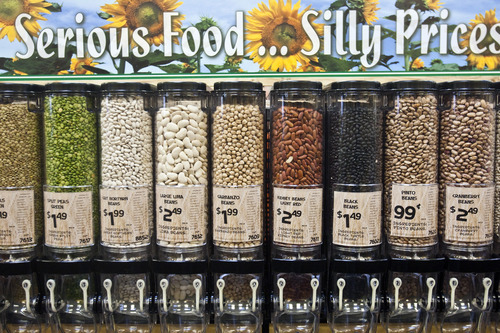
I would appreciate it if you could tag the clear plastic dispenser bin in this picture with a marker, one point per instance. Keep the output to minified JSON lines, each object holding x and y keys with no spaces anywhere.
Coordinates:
{"x":496,"y":219}
{"x":297,"y":295}
{"x":71,"y":164}
{"x":238,"y":295}
{"x":181,"y":291}
{"x":70,"y":296}
{"x":467,"y":294}
{"x":355,"y":295}
{"x":19,"y":298}
{"x":21,"y":170}
{"x":411,"y":295}
{"x":125,"y":292}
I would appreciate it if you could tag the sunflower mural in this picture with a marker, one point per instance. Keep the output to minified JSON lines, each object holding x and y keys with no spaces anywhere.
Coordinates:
{"x":367,"y":8}
{"x":138,"y":13}
{"x":417,"y":64}
{"x":433,"y":4}
{"x":486,"y":59}
{"x":10,"y":9}
{"x":77,"y":66}
{"x":278,"y":27}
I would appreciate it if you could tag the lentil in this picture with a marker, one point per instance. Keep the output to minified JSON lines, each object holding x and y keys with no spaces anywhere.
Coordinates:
{"x":20,"y":149}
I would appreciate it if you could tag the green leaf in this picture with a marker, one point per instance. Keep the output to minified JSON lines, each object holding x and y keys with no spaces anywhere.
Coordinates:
{"x":431,"y":20}
{"x":219,"y":68}
{"x":438,"y":66}
{"x":54,"y":7}
{"x":173,"y":68}
{"x":388,"y":33}
{"x":3,"y":61}
{"x":104,"y":16}
{"x":37,"y":65}
{"x":337,"y":5}
{"x":205,"y":23}
{"x":155,"y":58}
{"x":390,"y":18}
{"x":404,"y":4}
{"x":331,"y":64}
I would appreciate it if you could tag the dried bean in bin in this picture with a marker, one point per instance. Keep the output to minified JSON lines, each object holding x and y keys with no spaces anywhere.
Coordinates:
{"x":126,"y":137}
{"x":497,"y":168}
{"x":411,"y":163}
{"x":21,"y":171}
{"x":238,"y":139}
{"x":297,"y":141}
{"x":71,"y":166}
{"x":181,"y":164}
{"x":467,"y":149}
{"x":354,"y":169}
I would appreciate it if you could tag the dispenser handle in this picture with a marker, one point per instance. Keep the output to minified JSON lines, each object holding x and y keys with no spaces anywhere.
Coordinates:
{"x":341,"y":285}
{"x":108,"y":284}
{"x":281,"y":285}
{"x":164,"y":286}
{"x":374,"y":283}
{"x":220,"y":285}
{"x":51,"y":286}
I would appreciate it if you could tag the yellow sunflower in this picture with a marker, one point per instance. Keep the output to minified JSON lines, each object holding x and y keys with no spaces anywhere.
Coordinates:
{"x":369,"y":9}
{"x":234,"y":60}
{"x":10,"y":10}
{"x":143,"y":13}
{"x":433,"y":4}
{"x":279,"y":27}
{"x":417,"y":64}
{"x":310,"y":68}
{"x":485,"y":59}
{"x":16,"y":72}
{"x":77,"y":65}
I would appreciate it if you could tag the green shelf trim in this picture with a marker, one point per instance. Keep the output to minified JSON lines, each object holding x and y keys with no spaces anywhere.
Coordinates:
{"x":241,"y":75}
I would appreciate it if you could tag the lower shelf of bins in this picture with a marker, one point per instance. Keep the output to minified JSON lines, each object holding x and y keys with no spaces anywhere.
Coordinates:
{"x":323,"y":328}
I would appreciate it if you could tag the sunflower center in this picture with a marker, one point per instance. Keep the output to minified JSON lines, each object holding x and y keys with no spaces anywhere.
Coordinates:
{"x":10,"y":9}
{"x":79,"y":68}
{"x":284,"y":31}
{"x":284,"y":34}
{"x":485,"y":43}
{"x":145,"y":14}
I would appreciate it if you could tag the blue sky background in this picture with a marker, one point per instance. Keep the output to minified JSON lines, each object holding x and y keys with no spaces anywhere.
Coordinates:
{"x":223,"y":12}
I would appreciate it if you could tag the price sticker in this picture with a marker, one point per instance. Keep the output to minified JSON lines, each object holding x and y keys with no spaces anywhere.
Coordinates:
{"x":181,"y":214}
{"x":469,"y":214}
{"x":17,"y":217}
{"x":68,"y":219}
{"x":357,"y":218}
{"x":124,"y":216}
{"x":297,"y":215}
{"x":414,"y":210}
{"x":237,"y":214}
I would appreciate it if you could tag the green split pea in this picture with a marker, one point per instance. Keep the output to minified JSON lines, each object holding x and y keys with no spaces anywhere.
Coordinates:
{"x":71,"y":146}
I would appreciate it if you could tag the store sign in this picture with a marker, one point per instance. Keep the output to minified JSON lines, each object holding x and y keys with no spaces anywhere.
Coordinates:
{"x":167,"y":36}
